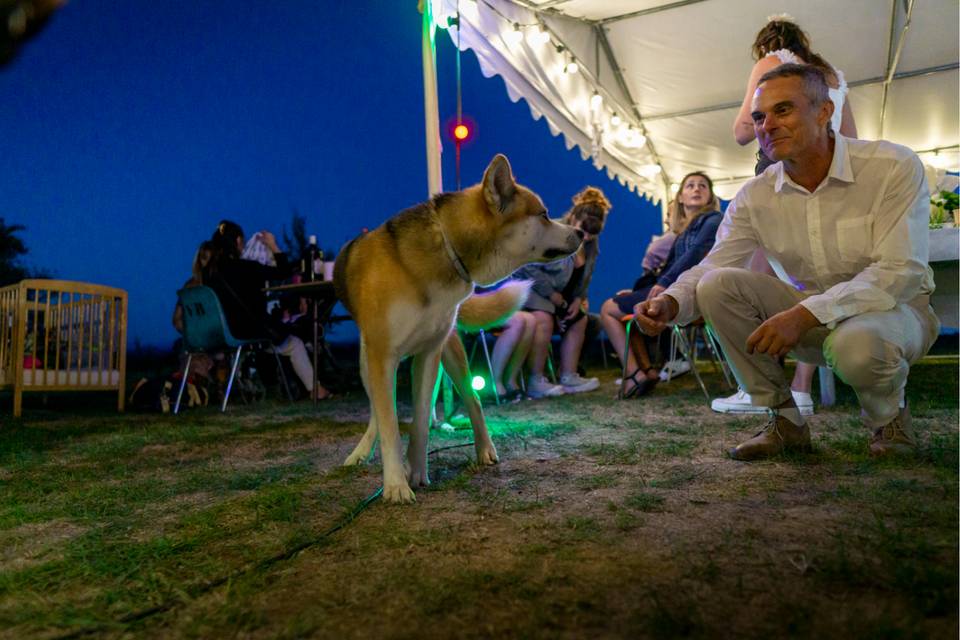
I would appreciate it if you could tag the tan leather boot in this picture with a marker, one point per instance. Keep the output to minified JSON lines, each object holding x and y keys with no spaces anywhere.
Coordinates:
{"x":895,"y":437}
{"x":777,"y":436}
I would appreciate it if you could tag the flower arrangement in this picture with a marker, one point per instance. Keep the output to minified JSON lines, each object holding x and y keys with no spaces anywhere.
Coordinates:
{"x":943,"y":209}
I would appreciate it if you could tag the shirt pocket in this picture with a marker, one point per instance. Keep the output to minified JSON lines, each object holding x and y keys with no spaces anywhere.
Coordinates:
{"x":854,"y":238}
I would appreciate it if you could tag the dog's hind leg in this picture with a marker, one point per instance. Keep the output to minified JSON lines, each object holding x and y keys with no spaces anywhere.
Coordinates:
{"x":455,"y":363}
{"x":424,"y":374}
{"x":381,"y":387}
{"x":364,"y":449}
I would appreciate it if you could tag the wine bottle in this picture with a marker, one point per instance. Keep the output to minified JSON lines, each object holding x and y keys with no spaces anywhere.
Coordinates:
{"x":312,"y":258}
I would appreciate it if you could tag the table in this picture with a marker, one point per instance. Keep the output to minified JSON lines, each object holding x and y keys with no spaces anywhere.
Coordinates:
{"x":323,"y":298}
{"x":944,"y":257}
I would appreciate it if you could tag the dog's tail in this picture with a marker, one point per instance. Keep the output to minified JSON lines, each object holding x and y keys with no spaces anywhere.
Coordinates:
{"x":485,"y":310}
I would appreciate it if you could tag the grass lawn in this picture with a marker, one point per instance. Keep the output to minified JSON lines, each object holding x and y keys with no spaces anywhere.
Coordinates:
{"x":604,"y":518}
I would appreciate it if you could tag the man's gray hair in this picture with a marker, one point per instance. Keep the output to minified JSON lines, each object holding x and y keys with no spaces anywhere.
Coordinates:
{"x":814,"y":80}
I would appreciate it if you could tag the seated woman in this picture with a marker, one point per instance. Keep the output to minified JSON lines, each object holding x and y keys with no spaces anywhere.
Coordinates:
{"x":238,"y":284}
{"x":558,"y":299}
{"x":694,"y":218}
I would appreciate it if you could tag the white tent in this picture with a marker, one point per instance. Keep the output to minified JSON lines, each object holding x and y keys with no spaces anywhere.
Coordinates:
{"x":657,"y":84}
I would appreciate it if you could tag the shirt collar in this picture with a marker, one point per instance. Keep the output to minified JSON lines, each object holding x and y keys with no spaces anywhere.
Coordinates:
{"x":840,"y":168}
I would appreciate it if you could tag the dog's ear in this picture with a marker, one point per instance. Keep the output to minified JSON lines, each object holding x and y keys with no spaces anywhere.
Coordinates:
{"x":498,"y":185}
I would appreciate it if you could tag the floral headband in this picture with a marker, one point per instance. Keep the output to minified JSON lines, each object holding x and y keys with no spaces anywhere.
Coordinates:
{"x":781,"y":17}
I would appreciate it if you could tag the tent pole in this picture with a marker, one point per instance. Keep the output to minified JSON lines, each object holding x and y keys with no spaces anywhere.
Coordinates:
{"x":431,"y":110}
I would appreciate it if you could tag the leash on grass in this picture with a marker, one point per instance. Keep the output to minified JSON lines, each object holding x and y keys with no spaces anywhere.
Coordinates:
{"x":143,"y":614}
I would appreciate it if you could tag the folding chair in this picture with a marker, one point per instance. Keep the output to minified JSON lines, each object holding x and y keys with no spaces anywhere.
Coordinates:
{"x":205,"y":329}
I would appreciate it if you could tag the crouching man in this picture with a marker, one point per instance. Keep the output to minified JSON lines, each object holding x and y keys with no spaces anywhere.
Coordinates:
{"x":844,"y":224}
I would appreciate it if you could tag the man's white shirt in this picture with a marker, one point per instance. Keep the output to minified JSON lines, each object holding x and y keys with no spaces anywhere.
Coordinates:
{"x":858,"y":243}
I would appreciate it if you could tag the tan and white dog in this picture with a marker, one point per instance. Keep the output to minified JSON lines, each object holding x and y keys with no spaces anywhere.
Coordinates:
{"x":403,"y":283}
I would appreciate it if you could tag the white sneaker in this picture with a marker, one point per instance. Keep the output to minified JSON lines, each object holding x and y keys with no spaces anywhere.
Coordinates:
{"x":573,"y":383}
{"x":673,"y":369}
{"x":540,"y":387}
{"x":740,"y":403}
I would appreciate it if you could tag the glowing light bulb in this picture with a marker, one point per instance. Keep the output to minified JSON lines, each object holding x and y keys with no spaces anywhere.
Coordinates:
{"x":615,"y":120}
{"x":538,"y":36}
{"x":674,"y":187}
{"x":461,"y":132}
{"x":572,"y":67}
{"x":596,"y":101}
{"x":514,"y":36}
{"x":478,"y":383}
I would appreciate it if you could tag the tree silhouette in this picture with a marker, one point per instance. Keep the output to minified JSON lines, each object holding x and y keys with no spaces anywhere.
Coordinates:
{"x":11,"y":249}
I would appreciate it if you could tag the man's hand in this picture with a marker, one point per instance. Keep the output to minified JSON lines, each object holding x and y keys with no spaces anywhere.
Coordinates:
{"x":779,"y":334}
{"x":653,"y":315}
{"x":655,"y":290}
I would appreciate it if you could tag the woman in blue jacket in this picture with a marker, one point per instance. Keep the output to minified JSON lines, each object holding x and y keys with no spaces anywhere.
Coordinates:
{"x":694,"y":217}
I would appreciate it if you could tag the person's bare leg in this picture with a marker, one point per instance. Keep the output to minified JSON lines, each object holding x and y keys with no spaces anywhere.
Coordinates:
{"x":504,"y":349}
{"x":571,"y":345}
{"x":541,"y":342}
{"x":520,"y":352}
{"x":611,"y":319}
{"x":803,"y":377}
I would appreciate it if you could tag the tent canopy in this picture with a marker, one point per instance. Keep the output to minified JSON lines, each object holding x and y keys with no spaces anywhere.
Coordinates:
{"x":657,"y":84}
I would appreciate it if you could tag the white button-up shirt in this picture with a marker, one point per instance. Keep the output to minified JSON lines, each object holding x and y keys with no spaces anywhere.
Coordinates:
{"x":857,"y":243}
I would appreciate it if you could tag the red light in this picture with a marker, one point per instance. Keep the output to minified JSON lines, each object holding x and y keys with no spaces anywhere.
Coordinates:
{"x":461,"y":132}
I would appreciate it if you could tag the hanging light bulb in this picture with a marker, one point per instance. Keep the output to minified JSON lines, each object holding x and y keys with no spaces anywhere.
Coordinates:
{"x":674,"y":187}
{"x":538,"y":36}
{"x":513,"y":36}
{"x":615,"y":120}
{"x":572,"y":67}
{"x":596,"y":101}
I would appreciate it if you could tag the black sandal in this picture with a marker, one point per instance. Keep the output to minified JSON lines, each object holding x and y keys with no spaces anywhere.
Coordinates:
{"x":636,"y":384}
{"x":648,"y":384}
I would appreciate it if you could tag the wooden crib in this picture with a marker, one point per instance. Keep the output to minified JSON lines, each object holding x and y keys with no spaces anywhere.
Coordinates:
{"x":57,"y":335}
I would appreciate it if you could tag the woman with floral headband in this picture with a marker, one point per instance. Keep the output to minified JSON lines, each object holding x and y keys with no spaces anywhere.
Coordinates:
{"x":782,"y":41}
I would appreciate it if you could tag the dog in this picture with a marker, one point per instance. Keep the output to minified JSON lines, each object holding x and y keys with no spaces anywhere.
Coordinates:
{"x":403,"y":283}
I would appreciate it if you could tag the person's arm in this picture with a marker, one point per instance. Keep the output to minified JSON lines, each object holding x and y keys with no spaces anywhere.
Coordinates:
{"x":541,"y":284}
{"x":743,"y":124}
{"x":848,"y":126}
{"x":703,"y":241}
{"x":899,"y":256}
{"x":736,"y":242}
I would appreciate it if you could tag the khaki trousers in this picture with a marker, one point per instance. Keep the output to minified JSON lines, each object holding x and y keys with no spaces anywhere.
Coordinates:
{"x":872,"y":352}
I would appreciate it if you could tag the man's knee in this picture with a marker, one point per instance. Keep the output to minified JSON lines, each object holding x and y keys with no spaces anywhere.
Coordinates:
{"x":861,"y":358}
{"x":717,"y":287}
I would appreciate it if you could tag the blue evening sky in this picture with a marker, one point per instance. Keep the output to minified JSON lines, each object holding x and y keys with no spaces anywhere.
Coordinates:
{"x":129,"y":129}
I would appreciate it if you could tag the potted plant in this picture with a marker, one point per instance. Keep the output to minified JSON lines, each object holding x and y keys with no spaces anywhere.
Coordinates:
{"x":944,"y":208}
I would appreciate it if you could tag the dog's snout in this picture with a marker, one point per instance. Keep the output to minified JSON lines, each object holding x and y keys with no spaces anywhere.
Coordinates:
{"x":579,"y":233}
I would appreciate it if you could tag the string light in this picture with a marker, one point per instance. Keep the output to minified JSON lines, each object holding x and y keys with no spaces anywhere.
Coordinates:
{"x":615,"y":120}
{"x":571,"y":67}
{"x":674,"y":187}
{"x":513,"y":36}
{"x":539,"y":36}
{"x":596,"y":101}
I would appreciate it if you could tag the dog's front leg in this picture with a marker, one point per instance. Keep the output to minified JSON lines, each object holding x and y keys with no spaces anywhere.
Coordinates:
{"x":381,"y":386}
{"x":455,"y":364}
{"x":424,"y":374}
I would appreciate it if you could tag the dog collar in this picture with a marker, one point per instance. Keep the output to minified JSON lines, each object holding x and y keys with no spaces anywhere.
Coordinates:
{"x":455,"y":258}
